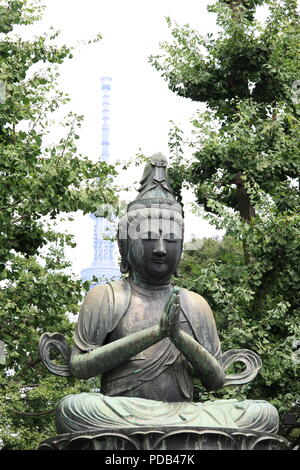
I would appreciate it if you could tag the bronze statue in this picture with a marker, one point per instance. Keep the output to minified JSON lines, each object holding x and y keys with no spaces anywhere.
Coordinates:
{"x":147,"y":338}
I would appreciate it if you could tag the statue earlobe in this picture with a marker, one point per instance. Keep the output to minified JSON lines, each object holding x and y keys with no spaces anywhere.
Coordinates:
{"x":123,"y":248}
{"x":124,"y":266}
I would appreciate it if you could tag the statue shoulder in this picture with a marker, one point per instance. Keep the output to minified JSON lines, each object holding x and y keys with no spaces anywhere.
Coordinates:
{"x":95,"y":293}
{"x":111,"y":291}
{"x":200,"y":317}
{"x":191,"y":299}
{"x":102,"y":309}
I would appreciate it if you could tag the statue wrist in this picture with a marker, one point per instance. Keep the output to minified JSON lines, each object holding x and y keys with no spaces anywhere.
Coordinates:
{"x":175,"y":337}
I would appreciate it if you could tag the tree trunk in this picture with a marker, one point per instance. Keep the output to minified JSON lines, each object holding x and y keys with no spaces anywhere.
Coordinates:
{"x":245,"y":207}
{"x":246,"y":211}
{"x":243,"y":200}
{"x":235,"y":6}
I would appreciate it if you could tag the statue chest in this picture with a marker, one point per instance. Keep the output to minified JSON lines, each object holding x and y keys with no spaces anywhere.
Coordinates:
{"x":163,"y":373}
{"x":144,"y":311}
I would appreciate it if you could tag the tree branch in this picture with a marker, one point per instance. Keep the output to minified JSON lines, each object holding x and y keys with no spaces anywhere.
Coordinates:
{"x":28,"y":413}
{"x":10,"y":205}
{"x":33,"y":362}
{"x":66,"y":142}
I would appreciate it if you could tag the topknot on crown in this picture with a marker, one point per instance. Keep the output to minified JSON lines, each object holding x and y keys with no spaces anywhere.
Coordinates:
{"x":155,"y":190}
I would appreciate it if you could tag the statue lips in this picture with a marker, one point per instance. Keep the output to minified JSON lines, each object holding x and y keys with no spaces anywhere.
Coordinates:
{"x":158,"y":260}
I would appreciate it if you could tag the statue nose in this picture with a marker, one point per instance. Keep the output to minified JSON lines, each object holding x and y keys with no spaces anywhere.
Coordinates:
{"x":159,"y":248}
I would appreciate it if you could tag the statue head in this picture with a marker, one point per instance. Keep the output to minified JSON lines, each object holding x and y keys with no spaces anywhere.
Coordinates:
{"x":150,"y":235}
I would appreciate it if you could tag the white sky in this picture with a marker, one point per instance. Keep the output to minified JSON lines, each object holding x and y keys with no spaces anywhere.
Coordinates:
{"x":141,"y":103}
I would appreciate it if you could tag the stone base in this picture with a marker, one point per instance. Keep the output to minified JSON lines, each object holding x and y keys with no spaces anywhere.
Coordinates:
{"x":166,"y":438}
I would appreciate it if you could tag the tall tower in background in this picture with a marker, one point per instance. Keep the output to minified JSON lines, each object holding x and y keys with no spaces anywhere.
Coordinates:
{"x":104,"y":264}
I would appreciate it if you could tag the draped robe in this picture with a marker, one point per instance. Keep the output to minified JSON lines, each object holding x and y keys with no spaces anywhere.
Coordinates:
{"x":155,"y":386}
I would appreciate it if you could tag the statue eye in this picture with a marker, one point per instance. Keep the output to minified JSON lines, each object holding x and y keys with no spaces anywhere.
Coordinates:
{"x":149,"y":236}
{"x":170,"y":237}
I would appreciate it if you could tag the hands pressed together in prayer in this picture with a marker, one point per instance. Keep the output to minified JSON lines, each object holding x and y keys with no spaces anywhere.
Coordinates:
{"x":205,"y":365}
{"x":169,"y":322}
{"x":111,"y":355}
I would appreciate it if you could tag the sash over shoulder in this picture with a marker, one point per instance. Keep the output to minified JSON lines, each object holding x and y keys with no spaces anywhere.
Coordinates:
{"x":105,"y":305}
{"x":101,"y":311}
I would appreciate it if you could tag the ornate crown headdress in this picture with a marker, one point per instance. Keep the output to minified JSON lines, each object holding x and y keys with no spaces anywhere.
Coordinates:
{"x":154,"y":201}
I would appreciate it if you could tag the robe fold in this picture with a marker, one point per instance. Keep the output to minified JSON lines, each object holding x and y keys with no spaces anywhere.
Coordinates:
{"x":102,"y":311}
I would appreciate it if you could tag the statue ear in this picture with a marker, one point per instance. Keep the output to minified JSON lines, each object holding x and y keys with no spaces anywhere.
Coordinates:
{"x":124,"y":266}
{"x":176,"y":273}
{"x":123,"y":248}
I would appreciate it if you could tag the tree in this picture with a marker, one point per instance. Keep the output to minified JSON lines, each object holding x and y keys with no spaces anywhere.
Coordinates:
{"x":38,"y":183}
{"x":245,"y":172}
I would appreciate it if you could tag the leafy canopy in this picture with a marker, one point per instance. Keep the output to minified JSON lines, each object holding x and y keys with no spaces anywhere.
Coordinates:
{"x":39,"y":182}
{"x":245,"y":174}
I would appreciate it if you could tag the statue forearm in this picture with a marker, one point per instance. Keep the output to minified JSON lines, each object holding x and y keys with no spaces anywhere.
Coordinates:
{"x":111,"y":355}
{"x":206,"y":367}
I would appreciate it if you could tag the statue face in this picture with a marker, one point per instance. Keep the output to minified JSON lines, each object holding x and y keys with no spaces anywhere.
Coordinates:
{"x":156,"y":253}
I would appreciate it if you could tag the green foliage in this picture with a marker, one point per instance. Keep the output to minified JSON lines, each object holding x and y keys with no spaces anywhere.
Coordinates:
{"x":39,"y":182}
{"x":245,"y":173}
{"x":251,"y":153}
{"x":177,"y":168}
{"x":245,"y":60}
{"x":234,"y":291}
{"x":29,"y":409}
